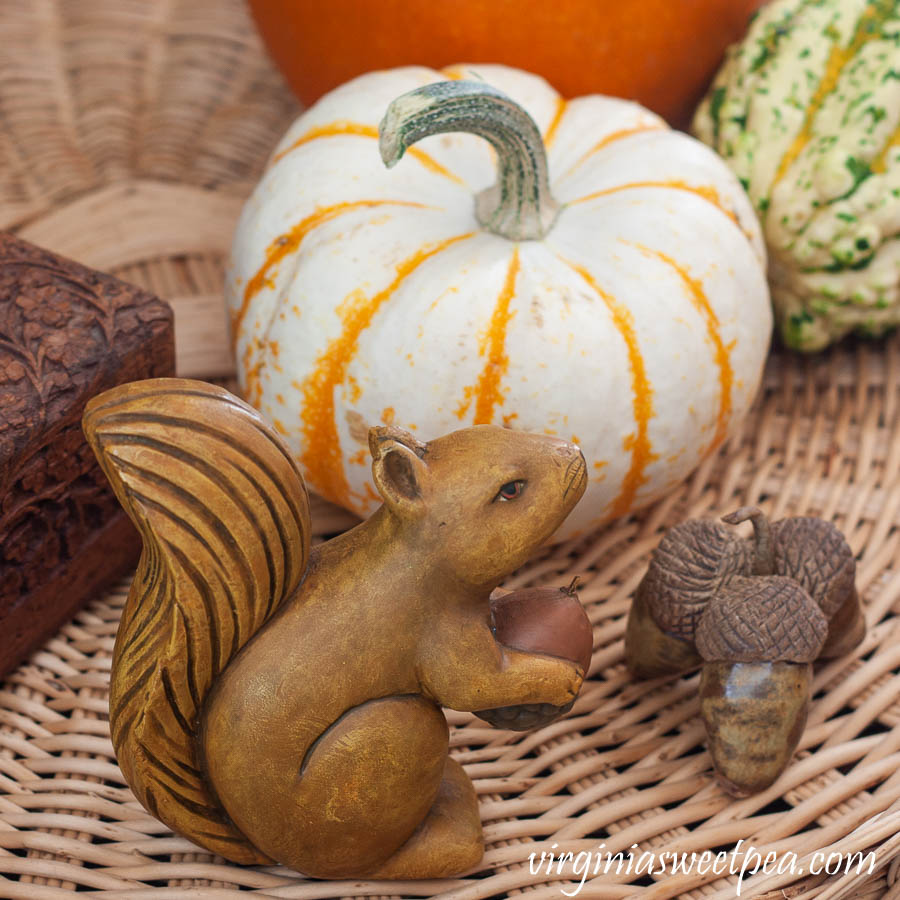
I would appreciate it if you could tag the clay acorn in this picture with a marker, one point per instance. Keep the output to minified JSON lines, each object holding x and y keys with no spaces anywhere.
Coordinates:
{"x":816,"y":555}
{"x":758,"y":640}
{"x":755,"y":614}
{"x":698,"y":559}
{"x":271,"y":700}
{"x":690,"y":566}
{"x":541,"y":620}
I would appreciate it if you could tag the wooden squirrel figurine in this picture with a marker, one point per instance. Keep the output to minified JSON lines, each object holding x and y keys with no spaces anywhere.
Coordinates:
{"x":275,"y":702}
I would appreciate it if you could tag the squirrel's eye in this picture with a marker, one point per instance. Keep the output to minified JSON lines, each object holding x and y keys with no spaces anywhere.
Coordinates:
{"x":510,"y":490}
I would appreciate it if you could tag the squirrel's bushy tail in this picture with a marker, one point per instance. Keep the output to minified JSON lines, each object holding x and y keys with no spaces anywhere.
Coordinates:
{"x":224,"y":517}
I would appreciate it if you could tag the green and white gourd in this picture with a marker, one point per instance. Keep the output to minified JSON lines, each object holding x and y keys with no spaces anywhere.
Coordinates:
{"x":807,"y":113}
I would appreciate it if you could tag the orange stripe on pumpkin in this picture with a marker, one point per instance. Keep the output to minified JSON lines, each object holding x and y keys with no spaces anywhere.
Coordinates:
{"x":357,"y":129}
{"x":707,"y":192}
{"x":638,"y":442}
{"x":611,"y":138}
{"x":561,"y":106}
{"x":722,"y":353}
{"x":433,"y":165}
{"x":341,"y":128}
{"x":322,"y":454}
{"x":289,"y":242}
{"x":486,"y":393}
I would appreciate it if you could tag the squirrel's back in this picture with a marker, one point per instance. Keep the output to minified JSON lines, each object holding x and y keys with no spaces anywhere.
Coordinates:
{"x":224,"y":517}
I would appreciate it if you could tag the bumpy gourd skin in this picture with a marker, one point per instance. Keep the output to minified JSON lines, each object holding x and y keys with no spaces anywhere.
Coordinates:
{"x":806,"y":111}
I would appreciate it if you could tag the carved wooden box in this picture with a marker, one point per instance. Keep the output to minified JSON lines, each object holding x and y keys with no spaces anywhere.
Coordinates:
{"x":66,"y":333}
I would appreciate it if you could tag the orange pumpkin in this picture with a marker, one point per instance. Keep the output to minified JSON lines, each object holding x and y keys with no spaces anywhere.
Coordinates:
{"x":661,"y":53}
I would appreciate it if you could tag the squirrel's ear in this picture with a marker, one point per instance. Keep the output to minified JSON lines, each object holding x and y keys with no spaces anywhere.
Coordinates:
{"x":382,"y":435}
{"x":397,"y":466}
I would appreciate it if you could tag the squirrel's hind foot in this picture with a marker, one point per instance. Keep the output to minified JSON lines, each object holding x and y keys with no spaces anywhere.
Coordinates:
{"x":448,"y":842}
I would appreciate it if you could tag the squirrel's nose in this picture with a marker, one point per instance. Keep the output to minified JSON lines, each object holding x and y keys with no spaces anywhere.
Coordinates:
{"x":565,"y":452}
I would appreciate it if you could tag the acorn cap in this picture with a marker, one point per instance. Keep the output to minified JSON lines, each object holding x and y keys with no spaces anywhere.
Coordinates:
{"x":762,"y":619}
{"x":814,"y":553}
{"x":692,"y":563}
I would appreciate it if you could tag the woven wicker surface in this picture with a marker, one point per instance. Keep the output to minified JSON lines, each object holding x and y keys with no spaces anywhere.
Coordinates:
{"x":129,"y":134}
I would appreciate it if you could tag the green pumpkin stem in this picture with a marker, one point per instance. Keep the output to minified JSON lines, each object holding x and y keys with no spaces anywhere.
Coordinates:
{"x":519,"y":206}
{"x":764,"y":563}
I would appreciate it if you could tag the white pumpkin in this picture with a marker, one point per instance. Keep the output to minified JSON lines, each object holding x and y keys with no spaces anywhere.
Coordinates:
{"x":623,"y":305}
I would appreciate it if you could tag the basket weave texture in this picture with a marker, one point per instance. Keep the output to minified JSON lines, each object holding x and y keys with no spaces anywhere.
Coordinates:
{"x":129,"y":134}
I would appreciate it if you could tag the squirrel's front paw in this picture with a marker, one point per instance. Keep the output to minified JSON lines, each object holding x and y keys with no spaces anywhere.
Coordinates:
{"x":529,"y":716}
{"x":573,"y":686}
{"x":560,"y":683}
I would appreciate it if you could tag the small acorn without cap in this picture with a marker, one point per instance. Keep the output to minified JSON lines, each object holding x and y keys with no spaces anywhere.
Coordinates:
{"x":539,"y":620}
{"x":758,"y":639}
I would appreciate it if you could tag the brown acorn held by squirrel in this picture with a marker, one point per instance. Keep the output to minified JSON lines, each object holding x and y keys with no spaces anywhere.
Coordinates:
{"x":539,"y":620}
{"x":699,"y":558}
{"x":272,"y":700}
{"x":758,"y":639}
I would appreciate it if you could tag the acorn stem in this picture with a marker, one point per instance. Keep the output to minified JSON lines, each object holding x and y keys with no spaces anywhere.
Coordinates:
{"x":570,"y":590}
{"x":764,"y":561}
